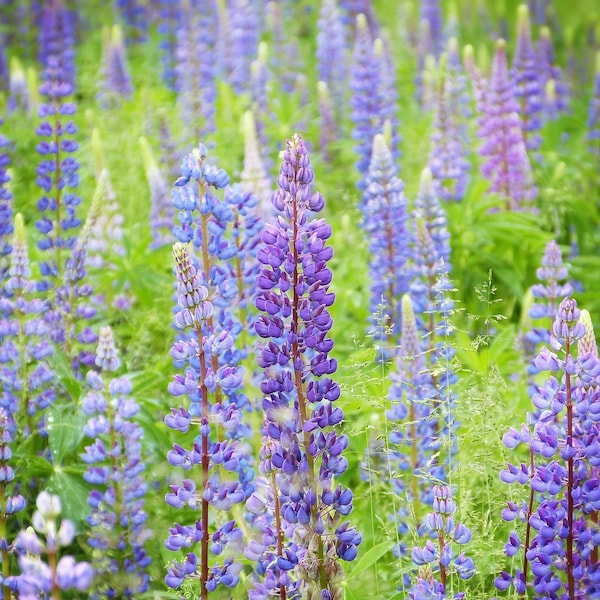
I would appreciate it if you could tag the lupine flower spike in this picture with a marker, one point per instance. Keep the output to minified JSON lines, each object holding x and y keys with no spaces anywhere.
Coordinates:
{"x":385,"y":216}
{"x":302,"y":451}
{"x":526,"y":78}
{"x":6,"y":216}
{"x":560,"y":539}
{"x":114,"y":459}
{"x":507,"y":165}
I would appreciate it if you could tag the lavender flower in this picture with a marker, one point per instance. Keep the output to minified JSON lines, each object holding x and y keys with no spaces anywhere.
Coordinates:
{"x":507,"y":165}
{"x":527,"y":87}
{"x":6,"y":217}
{"x":39,"y":576}
{"x":162,"y":216}
{"x":562,"y":470}
{"x":115,"y":465}
{"x":303,"y":452}
{"x":385,"y":215}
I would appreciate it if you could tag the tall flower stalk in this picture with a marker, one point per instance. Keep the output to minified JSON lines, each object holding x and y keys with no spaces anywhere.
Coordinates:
{"x":559,"y":537}
{"x":302,"y":446}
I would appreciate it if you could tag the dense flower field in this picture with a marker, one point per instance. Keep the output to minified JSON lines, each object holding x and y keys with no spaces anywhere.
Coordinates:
{"x":298,"y":299}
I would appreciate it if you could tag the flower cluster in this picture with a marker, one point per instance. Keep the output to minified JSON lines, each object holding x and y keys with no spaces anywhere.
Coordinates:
{"x":24,"y":343}
{"x":561,"y":542}
{"x":115,"y":81}
{"x":40,"y":577}
{"x":507,"y":166}
{"x":244,"y":35}
{"x":593,"y":121}
{"x":384,"y":222}
{"x":114,"y":459}
{"x":526,"y":77}
{"x":304,"y":537}
{"x":437,"y":558}
{"x":5,"y":206}
{"x":57,"y":172}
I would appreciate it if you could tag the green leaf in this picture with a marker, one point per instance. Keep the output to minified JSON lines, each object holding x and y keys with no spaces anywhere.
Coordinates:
{"x":65,"y":430}
{"x":73,"y":492}
{"x":370,"y":558}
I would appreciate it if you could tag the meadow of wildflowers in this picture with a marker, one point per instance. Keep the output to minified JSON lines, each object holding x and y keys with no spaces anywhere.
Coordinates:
{"x":297,"y":299}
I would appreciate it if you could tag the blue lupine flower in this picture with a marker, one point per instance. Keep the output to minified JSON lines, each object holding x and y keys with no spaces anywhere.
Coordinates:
{"x":196,"y":66}
{"x":331,"y":54}
{"x":244,"y":35}
{"x":26,"y":377}
{"x":526,"y":78}
{"x":134,"y":14}
{"x":115,"y":81}
{"x":56,"y":40}
{"x":114,"y":459}
{"x":170,"y":15}
{"x":562,"y":470}
{"x":507,"y":166}
{"x":328,"y":130}
{"x":385,"y":215}
{"x":593,"y":121}
{"x":302,"y":450}
{"x":431,"y":12}
{"x":6,"y":216}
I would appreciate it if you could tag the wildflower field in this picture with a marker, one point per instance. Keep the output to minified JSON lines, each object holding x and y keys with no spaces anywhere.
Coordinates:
{"x":298,"y":299}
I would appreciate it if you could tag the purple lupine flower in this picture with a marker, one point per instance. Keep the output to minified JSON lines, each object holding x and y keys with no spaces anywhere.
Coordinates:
{"x":593,"y":121}
{"x":526,"y":79}
{"x":253,"y":177}
{"x":244,"y":35}
{"x":6,"y":217}
{"x":162,"y":214}
{"x":39,"y":576}
{"x":559,"y":542}
{"x":352,"y":8}
{"x":170,"y":15}
{"x":440,"y":561}
{"x":384,"y":221}
{"x":134,"y":15}
{"x":331,"y":54}
{"x":328,"y":130}
{"x":448,"y":157}
{"x":115,"y":80}
{"x":553,"y":288}
{"x":549,"y":71}
{"x":27,"y":388}
{"x":115,"y":466}
{"x":371,"y":101}
{"x":207,"y":385}
{"x":72,"y":308}
{"x":196,"y":66}
{"x":478,"y":81}
{"x":425,"y":61}
{"x":507,"y":166}
{"x":410,"y":413}
{"x":305,"y":451}
{"x":57,"y":172}
{"x":10,"y":503}
{"x":431,"y":12}
{"x":56,"y":41}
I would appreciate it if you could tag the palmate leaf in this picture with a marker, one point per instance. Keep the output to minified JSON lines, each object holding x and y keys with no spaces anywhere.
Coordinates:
{"x":73,"y":492}
{"x":65,"y":430}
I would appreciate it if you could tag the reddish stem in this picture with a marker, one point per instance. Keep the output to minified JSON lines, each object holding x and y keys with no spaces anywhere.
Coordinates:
{"x":570,"y":482}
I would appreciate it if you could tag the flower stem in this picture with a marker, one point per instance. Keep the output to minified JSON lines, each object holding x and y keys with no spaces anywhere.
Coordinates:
{"x":570,"y":482}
